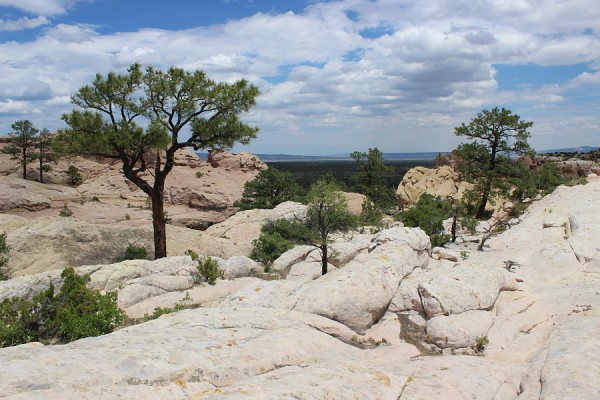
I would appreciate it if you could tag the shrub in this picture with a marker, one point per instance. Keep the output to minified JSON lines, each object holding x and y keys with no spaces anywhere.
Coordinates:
{"x":268,"y":247}
{"x":75,"y":312}
{"x":4,"y":250}
{"x":73,"y":176}
{"x":371,"y":214}
{"x":132,"y":252}
{"x":180,"y":305}
{"x":270,"y":188}
{"x":276,"y":238}
{"x":481,"y":343}
{"x":65,"y":211}
{"x":206,"y":270}
{"x":199,"y":174}
{"x":429,"y":214}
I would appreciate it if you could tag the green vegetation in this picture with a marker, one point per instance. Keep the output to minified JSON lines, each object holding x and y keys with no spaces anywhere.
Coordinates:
{"x":276,"y":238}
{"x":45,"y":153}
{"x":75,"y":312}
{"x":130,"y":116}
{"x":327,"y":213}
{"x":481,"y":343}
{"x":485,"y":161}
{"x":74,"y":177}
{"x":132,"y":252}
{"x":270,"y":188}
{"x":27,"y":144}
{"x":4,"y":251}
{"x":307,"y":172}
{"x":429,"y":214}
{"x":23,"y":143}
{"x":180,"y":305}
{"x":371,"y":178}
{"x":207,"y":270}
{"x":65,"y":211}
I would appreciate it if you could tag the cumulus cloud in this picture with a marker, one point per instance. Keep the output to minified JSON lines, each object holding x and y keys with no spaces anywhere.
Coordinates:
{"x":423,"y":67}
{"x":23,"y":23}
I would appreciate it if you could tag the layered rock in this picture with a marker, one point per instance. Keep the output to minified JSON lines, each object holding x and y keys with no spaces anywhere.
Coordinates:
{"x":199,"y":193}
{"x":57,"y":242}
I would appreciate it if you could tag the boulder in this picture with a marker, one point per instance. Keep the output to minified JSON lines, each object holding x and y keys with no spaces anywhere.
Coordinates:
{"x":444,"y":291}
{"x":442,"y":181}
{"x":459,"y":331}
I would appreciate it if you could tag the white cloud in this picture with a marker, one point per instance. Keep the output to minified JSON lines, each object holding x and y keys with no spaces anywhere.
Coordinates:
{"x":41,"y":7}
{"x":23,"y":23}
{"x":430,"y":68}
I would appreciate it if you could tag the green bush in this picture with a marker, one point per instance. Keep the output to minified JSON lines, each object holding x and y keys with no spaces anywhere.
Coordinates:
{"x":74,"y":178}
{"x":268,"y":247}
{"x":270,"y":188}
{"x":4,"y":250}
{"x":65,"y":211}
{"x":132,"y":252}
{"x":276,"y":238}
{"x":75,"y":312}
{"x":429,"y":214}
{"x":206,"y":270}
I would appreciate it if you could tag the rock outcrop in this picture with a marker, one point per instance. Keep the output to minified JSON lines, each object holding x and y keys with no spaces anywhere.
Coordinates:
{"x":56,"y":242}
{"x":442,"y":181}
{"x":197,"y":193}
{"x":388,"y":322}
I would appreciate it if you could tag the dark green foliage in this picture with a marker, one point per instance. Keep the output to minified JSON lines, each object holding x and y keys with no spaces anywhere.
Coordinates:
{"x":429,"y":214}
{"x":4,"y":251}
{"x":23,"y":142}
{"x":371,"y":178}
{"x":307,"y":172}
{"x":83,"y":312}
{"x":73,"y":176}
{"x":495,"y":136}
{"x":270,"y":188}
{"x":276,"y":238}
{"x":531,"y":182}
{"x":133,"y":252}
{"x":75,"y":312}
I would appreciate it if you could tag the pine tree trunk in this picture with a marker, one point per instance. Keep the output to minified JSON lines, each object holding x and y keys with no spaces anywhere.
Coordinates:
{"x":41,"y":170}
{"x":323,"y":259}
{"x":159,"y":225}
{"x":484,"y":200}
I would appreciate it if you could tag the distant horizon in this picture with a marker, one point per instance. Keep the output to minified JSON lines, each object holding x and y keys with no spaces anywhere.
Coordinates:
{"x":425,"y":155}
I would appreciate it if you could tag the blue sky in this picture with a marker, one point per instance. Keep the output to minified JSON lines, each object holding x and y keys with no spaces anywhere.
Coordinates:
{"x":335,"y":76}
